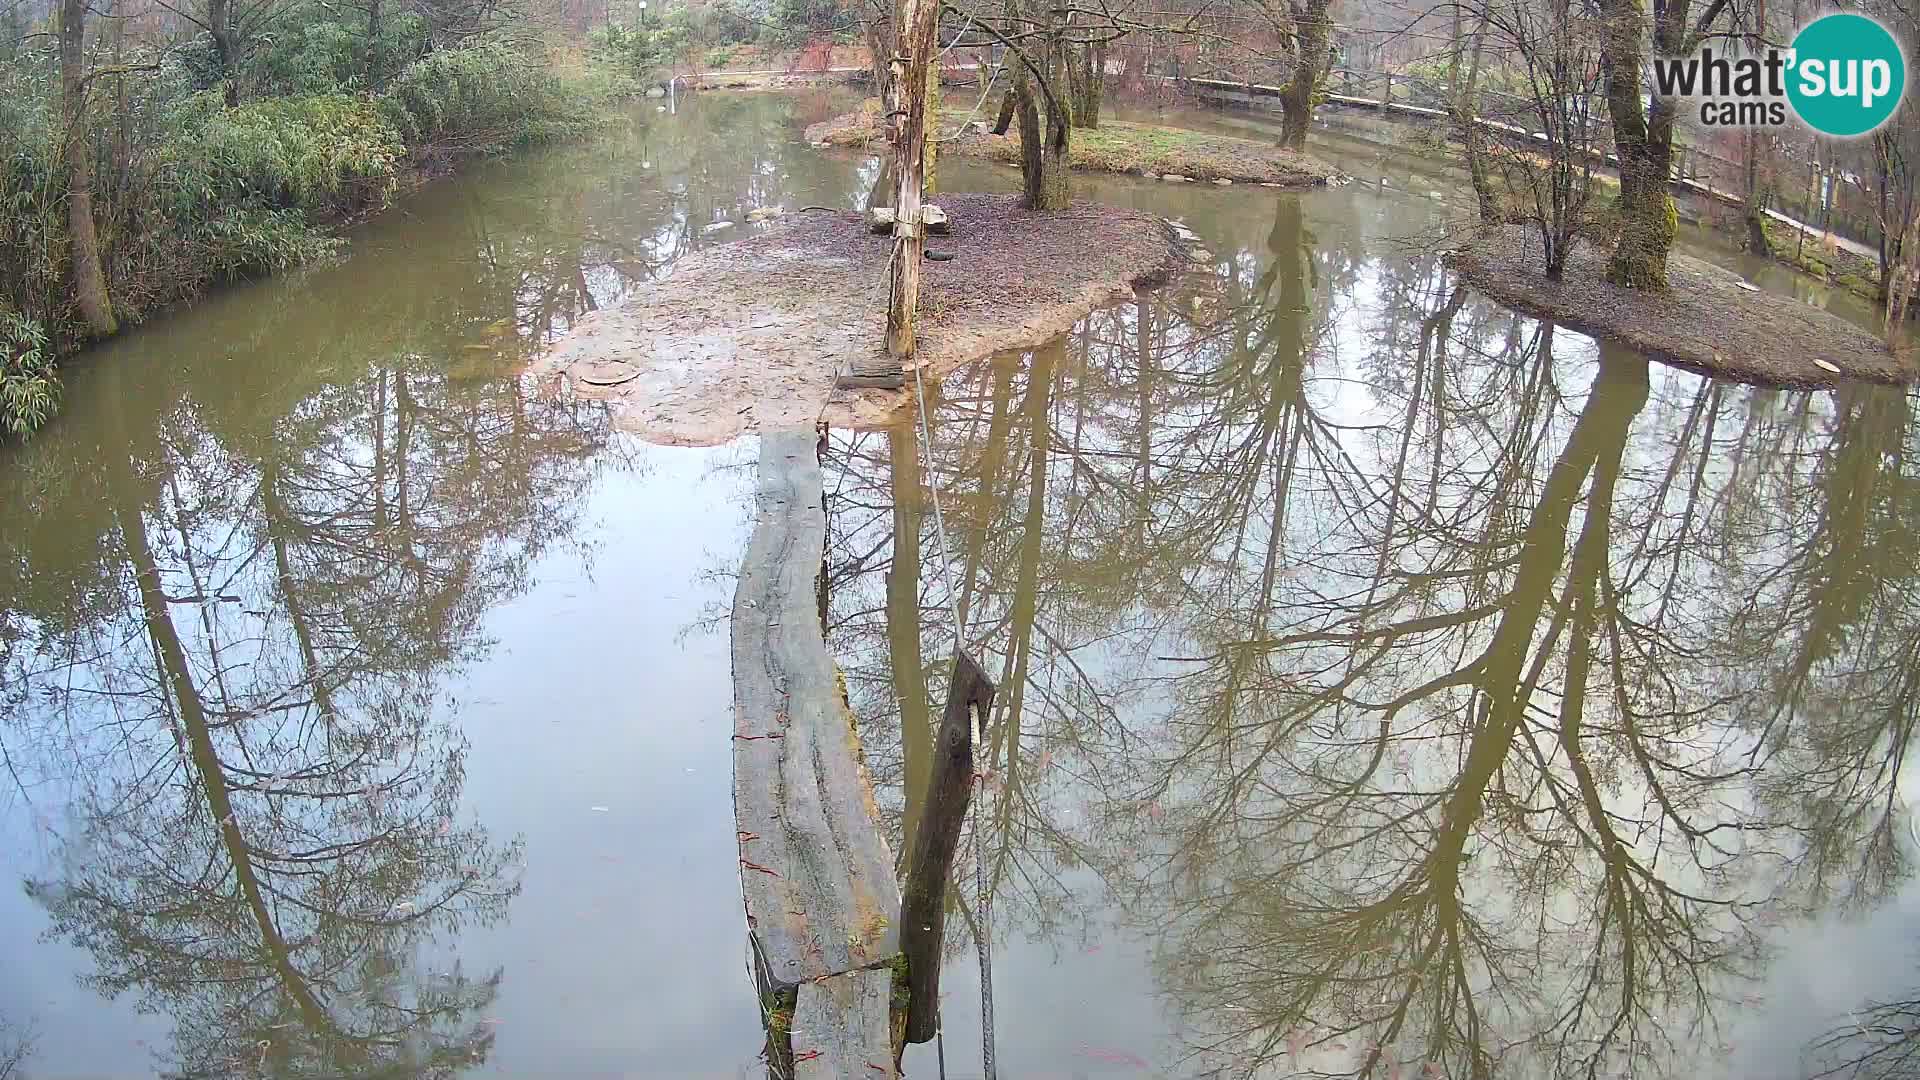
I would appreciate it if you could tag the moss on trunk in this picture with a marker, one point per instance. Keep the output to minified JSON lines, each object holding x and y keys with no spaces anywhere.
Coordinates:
{"x":83,"y":241}
{"x":1648,"y":223}
{"x":1088,"y":76}
{"x":1302,"y":90}
{"x":1046,"y":126}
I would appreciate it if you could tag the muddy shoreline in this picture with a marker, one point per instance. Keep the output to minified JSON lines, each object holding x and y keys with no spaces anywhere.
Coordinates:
{"x":751,"y":335}
{"x":1709,"y":320}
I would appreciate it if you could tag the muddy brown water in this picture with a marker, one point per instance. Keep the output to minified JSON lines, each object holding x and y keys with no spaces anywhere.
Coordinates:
{"x":1380,"y":669}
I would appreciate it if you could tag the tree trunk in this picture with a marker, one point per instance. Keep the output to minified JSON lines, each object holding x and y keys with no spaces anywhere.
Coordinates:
{"x":1010,"y":101}
{"x":920,"y":23}
{"x":932,"y":131}
{"x":1044,"y":141}
{"x":89,"y":280}
{"x":373,"y":67}
{"x":903,"y":630}
{"x":1088,"y":85}
{"x":1314,"y":35}
{"x":878,"y":28}
{"x":884,"y":185}
{"x":936,"y":840}
{"x":1466,"y":113}
{"x":1755,"y":194}
{"x":225,"y":46}
{"x":1644,"y":145}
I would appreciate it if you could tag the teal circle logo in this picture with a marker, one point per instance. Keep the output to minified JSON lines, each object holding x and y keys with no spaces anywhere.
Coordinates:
{"x":1848,"y":75}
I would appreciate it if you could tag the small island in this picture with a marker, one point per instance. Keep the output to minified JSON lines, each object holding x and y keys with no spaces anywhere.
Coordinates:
{"x":1707,"y":319}
{"x":1115,"y":146}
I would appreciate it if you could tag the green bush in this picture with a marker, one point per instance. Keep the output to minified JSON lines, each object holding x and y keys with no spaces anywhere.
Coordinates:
{"x":319,"y":155}
{"x":29,"y":389}
{"x":190,"y":190}
{"x":799,"y":20}
{"x":481,"y":99}
{"x":641,"y":52}
{"x":324,"y":50}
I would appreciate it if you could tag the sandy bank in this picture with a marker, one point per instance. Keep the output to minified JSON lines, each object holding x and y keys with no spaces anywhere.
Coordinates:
{"x":751,"y":334}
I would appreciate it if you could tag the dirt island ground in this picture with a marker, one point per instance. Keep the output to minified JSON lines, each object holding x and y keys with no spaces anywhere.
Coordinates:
{"x":751,"y":335}
{"x":1709,"y":319}
{"x":1114,"y":146}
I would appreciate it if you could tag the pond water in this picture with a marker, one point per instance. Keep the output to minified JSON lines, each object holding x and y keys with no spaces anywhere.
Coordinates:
{"x":1390,"y":684}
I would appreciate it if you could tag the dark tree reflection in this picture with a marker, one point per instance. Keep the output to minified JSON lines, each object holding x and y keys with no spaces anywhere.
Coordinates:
{"x":1444,"y":693}
{"x":263,"y":838}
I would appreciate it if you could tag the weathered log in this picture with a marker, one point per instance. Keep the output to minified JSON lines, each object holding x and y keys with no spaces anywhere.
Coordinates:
{"x":840,"y":1027}
{"x":816,"y":875}
{"x":943,"y":811}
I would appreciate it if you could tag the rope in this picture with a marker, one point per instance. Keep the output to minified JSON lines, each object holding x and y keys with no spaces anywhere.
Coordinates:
{"x":939,"y":523}
{"x":983,"y":936}
{"x":992,"y":81}
{"x":982,"y":939}
{"x":840,"y":369}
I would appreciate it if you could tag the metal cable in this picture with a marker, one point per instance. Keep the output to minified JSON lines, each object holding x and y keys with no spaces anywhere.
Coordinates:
{"x":983,"y":934}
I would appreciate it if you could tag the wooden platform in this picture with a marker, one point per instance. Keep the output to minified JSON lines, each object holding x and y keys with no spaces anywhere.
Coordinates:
{"x":818,"y":878}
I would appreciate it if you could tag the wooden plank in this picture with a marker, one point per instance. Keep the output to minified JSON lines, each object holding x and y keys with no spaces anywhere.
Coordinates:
{"x":817,"y":876}
{"x":923,"y":915}
{"x":840,"y":1027}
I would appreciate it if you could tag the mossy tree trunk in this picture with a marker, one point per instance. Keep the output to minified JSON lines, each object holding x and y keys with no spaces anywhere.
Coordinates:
{"x":83,"y":239}
{"x":1313,"y":34}
{"x":1648,"y":219}
{"x":1044,"y":127}
{"x":226,"y":47}
{"x":1643,"y":137}
{"x":1045,"y":112}
{"x":1088,"y":70}
{"x":373,"y":67}
{"x":1465,"y":85}
{"x":1010,"y":101}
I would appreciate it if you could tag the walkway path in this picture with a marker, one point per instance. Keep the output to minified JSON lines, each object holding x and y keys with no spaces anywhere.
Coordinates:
{"x":1515,"y":131}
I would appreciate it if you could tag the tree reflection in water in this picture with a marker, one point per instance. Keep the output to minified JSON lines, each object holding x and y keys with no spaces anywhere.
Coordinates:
{"x":242,"y":690}
{"x":1441,"y":694}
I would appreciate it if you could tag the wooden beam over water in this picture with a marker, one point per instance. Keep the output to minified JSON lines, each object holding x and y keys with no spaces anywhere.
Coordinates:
{"x":818,"y":878}
{"x":840,"y":1027}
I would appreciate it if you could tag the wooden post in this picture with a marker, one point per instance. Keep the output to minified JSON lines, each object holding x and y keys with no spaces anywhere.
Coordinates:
{"x":919,"y":39}
{"x":923,"y":903}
